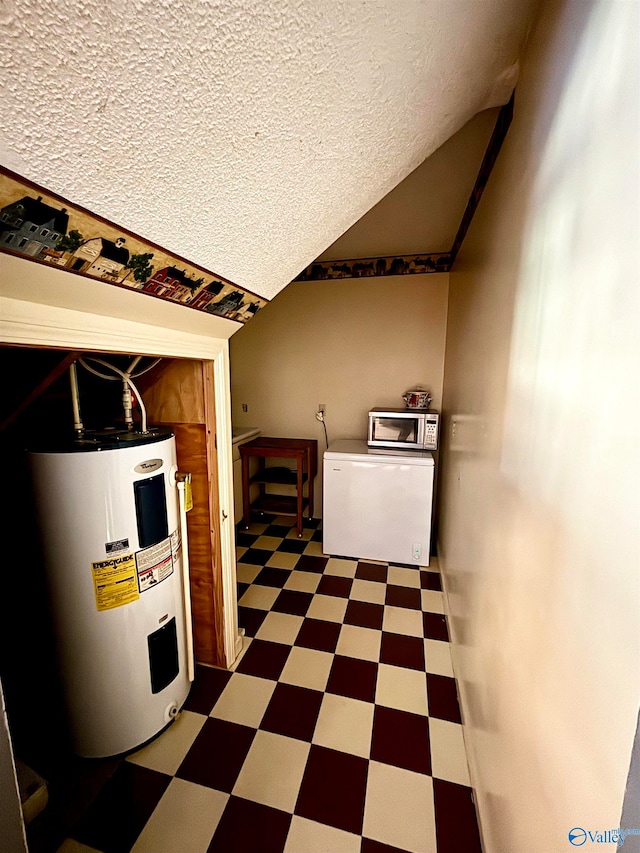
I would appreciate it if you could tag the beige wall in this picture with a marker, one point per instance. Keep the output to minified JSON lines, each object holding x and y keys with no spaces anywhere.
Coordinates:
{"x":540,"y":506}
{"x":351,"y":344}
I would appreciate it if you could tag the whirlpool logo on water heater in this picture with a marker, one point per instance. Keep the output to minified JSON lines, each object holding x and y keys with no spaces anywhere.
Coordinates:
{"x":148,"y":466}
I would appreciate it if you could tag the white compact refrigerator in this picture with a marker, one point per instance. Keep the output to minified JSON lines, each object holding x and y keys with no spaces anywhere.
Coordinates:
{"x":377,"y":504}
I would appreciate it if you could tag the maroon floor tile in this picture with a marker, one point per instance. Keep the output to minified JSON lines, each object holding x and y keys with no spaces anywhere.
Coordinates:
{"x":132,"y":794}
{"x":371,"y":572}
{"x":250,"y":618}
{"x":264,"y":659}
{"x":244,"y":539}
{"x":292,"y":601}
{"x":443,"y":698}
{"x":403,"y":596}
{"x":398,"y":650}
{"x":456,"y":821}
{"x":354,"y":678}
{"x":292,"y":546}
{"x":430,"y":580}
{"x":435,"y":626}
{"x":277,"y":530}
{"x":217,"y":754}
{"x":309,"y":563}
{"x":271,"y":576}
{"x":401,"y":739}
{"x":364,"y":614}
{"x":333,"y":789}
{"x":248,"y":827}
{"x":293,"y":711}
{"x":330,"y":585}
{"x":208,"y":684}
{"x":318,"y":634}
{"x":256,"y":556}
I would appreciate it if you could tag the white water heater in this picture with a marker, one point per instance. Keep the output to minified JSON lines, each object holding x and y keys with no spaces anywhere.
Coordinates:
{"x":109,"y":512}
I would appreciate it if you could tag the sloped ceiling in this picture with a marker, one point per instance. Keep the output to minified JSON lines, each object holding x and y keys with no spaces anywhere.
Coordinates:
{"x":245,"y":137}
{"x":423,"y":213}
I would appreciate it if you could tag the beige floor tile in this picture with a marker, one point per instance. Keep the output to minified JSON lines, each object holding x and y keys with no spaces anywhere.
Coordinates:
{"x":246,"y":573}
{"x":432,"y":601}
{"x":399,"y":576}
{"x":448,"y":756}
{"x":280,"y":628}
{"x":437,"y":656}
{"x":402,"y":620}
{"x":165,"y":753}
{"x":255,"y":528}
{"x":70,"y":845}
{"x":356,"y":642}
{"x":405,"y":689}
{"x":330,"y":608}
{"x":307,"y":533}
{"x":399,"y":809}
{"x":261,"y":597}
{"x":244,"y":700}
{"x":369,"y":591}
{"x":269,"y":543}
{"x":303,"y":581}
{"x":240,"y":551}
{"x":272,"y":771}
{"x":282,"y":560}
{"x":307,"y":836}
{"x":185,"y":819}
{"x":314,"y":549}
{"x":307,"y":668}
{"x":341,"y":568}
{"x":345,"y":724}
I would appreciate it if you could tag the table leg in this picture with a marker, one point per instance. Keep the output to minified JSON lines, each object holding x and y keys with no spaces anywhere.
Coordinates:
{"x":310,"y":480}
{"x":246,"y":506}
{"x":299,"y":496}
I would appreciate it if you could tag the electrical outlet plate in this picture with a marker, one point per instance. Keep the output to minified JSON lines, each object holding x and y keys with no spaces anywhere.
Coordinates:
{"x":322,"y":407}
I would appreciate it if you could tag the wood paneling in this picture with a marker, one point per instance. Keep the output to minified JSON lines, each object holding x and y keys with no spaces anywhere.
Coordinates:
{"x":181,"y":396}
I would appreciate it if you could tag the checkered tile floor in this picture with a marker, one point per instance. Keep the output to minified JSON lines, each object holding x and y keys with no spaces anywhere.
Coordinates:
{"x":338,"y":730}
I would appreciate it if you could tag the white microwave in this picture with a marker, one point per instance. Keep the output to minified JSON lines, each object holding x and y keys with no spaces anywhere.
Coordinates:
{"x":404,"y":429}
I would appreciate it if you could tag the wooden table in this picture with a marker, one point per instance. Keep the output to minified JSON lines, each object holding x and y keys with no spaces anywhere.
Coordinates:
{"x":304,"y":452}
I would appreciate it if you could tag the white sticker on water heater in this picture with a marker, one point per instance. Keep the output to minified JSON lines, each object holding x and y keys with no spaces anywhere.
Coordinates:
{"x":154,"y":564}
{"x":117,"y":547}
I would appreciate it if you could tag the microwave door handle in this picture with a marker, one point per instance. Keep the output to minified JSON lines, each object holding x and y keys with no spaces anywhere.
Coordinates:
{"x":420,"y":431}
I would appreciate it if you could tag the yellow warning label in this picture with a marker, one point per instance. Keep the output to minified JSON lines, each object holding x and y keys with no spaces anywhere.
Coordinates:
{"x":115,"y":582}
{"x":188,"y":495}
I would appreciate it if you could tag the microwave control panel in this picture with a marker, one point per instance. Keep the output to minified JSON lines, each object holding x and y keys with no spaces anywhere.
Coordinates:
{"x":431,"y":432}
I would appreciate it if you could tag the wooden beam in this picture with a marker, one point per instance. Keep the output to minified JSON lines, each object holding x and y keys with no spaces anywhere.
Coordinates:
{"x":486,"y":167}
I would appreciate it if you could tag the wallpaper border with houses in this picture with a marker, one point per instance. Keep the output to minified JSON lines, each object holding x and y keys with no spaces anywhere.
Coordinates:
{"x":44,"y":227}
{"x":365,"y":267}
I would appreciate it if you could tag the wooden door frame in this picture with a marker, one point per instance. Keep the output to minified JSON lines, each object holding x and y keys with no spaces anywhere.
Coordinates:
{"x":31,"y":324}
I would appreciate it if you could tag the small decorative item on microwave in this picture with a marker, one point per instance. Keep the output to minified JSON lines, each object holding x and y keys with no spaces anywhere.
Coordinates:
{"x":417,"y":398}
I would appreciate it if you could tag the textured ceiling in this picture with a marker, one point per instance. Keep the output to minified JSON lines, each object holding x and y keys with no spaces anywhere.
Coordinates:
{"x":244,"y":136}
